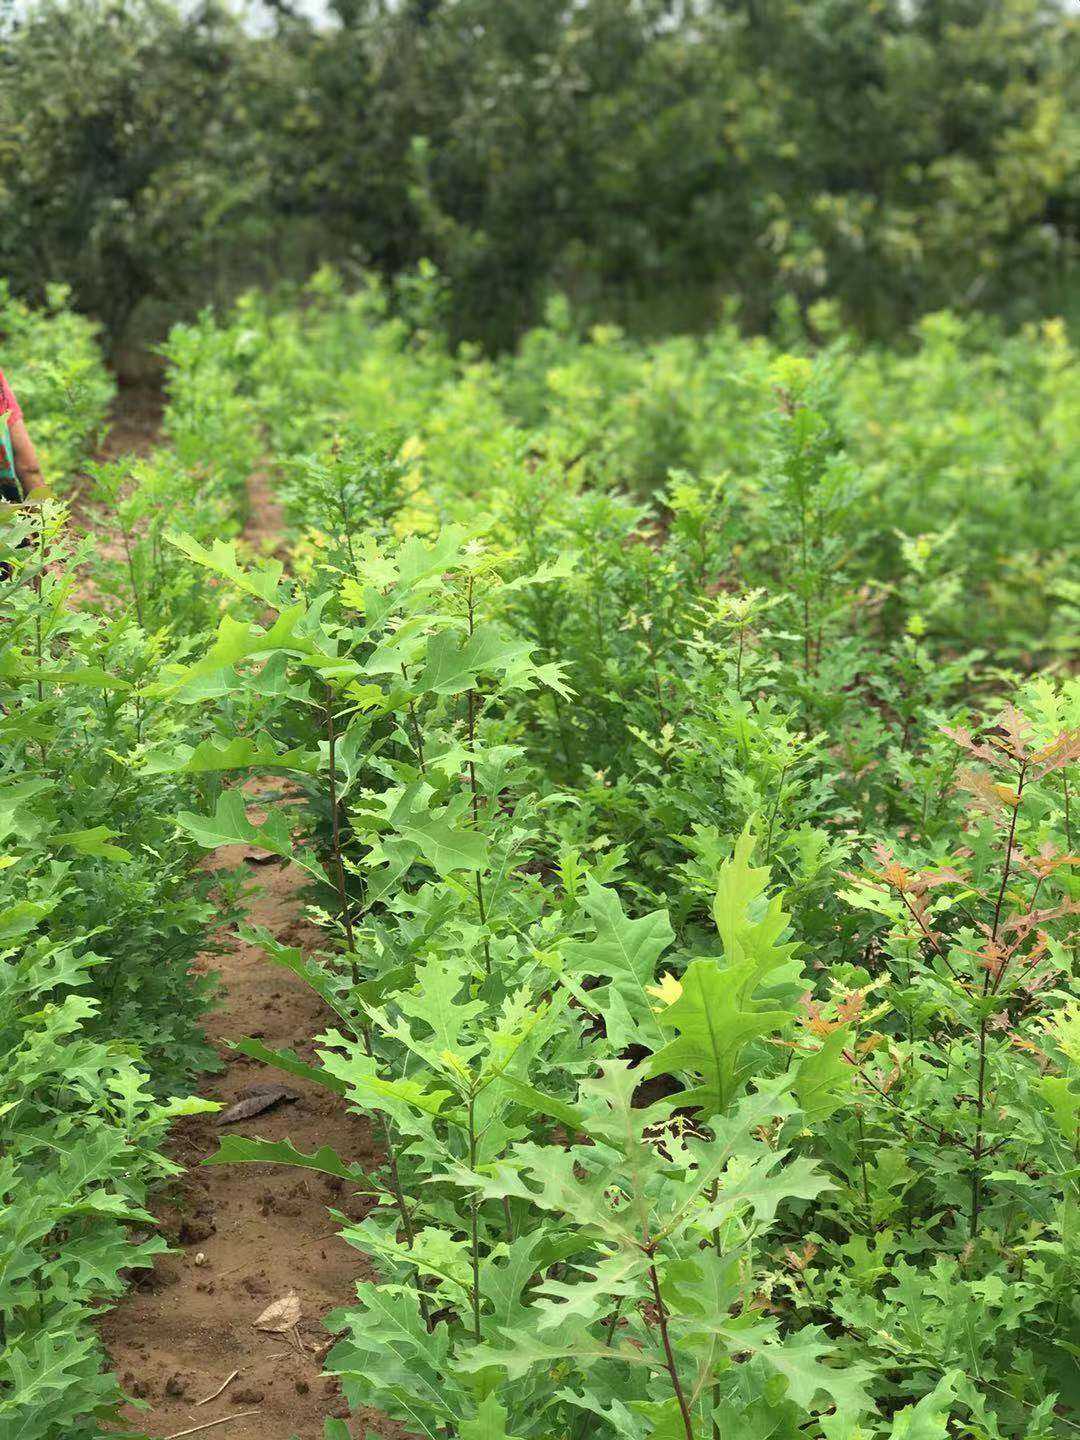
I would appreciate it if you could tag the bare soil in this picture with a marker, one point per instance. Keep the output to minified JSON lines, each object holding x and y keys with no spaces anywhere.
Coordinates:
{"x":263,"y":529}
{"x":134,"y":424}
{"x":248,"y":1235}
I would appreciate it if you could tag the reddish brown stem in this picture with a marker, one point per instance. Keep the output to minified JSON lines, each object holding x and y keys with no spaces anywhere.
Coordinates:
{"x":980,"y":1103}
{"x":669,"y":1354}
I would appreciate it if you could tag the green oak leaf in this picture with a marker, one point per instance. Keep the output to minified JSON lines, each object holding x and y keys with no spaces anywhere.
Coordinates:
{"x":713,"y":1031}
{"x":263,"y":582}
{"x":240,"y":1150}
{"x":455,"y":663}
{"x":242,"y":752}
{"x":489,"y":1423}
{"x":290,"y":1062}
{"x":95,"y":841}
{"x":823,"y":1079}
{"x":624,"y":952}
{"x":229,"y":825}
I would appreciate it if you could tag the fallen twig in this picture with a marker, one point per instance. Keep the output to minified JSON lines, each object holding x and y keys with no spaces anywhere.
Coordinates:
{"x":224,"y":1385}
{"x":240,"y":1415}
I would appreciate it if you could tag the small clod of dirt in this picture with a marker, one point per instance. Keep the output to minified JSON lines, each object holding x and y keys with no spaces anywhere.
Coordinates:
{"x":194,"y":1229}
{"x":164,"y":1274}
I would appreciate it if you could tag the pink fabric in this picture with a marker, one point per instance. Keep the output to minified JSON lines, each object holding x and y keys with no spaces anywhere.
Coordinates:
{"x":9,"y":406}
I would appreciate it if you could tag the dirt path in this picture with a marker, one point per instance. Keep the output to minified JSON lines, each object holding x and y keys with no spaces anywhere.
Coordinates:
{"x":133,"y":429}
{"x":248,"y":1235}
{"x":134,"y":425}
{"x":264,"y":525}
{"x":261,"y":1230}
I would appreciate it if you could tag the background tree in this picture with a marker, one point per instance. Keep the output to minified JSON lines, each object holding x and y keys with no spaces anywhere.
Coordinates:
{"x":651,"y":156}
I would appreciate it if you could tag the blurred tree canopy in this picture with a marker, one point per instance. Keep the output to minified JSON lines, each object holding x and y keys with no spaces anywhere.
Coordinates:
{"x":654,"y":156}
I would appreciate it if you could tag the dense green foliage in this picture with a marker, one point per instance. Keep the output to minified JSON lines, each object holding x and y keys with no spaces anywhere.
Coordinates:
{"x":946,"y":493}
{"x":102,"y":910}
{"x":655,"y":156}
{"x":698,"y":909}
{"x":61,"y":379}
{"x":678,"y":740}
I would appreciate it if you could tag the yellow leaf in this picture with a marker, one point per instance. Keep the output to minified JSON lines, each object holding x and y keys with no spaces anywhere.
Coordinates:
{"x":668,"y":990}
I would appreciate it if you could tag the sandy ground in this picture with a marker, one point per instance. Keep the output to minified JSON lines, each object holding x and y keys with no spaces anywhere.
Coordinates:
{"x":261,"y":1231}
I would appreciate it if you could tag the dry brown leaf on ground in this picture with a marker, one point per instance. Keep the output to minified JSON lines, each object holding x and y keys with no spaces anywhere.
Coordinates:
{"x":281,"y":1316}
{"x":264,"y":1097}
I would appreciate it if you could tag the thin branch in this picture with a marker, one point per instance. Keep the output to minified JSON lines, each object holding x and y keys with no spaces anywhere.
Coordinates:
{"x":669,"y":1354}
{"x":225,"y":1420}
{"x":223,"y":1386}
